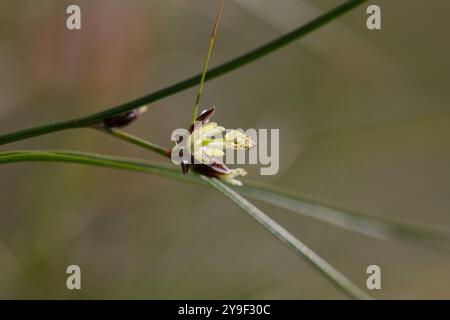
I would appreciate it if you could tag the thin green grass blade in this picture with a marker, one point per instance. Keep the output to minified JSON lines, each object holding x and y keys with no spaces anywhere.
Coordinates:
{"x":98,"y":160}
{"x":218,"y":71}
{"x":337,"y":278}
{"x":308,"y":206}
{"x":433,"y":237}
{"x":380,"y":228}
{"x":135,"y":140}
{"x":205,"y":66}
{"x":165,"y":170}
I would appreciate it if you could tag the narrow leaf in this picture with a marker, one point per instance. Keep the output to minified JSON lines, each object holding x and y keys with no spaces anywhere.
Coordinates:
{"x":218,"y":71}
{"x":205,"y":66}
{"x":380,"y":228}
{"x":433,"y":237}
{"x":337,"y":278}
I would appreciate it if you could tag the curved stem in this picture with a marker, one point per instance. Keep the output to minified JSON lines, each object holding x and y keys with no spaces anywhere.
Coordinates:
{"x":337,"y":278}
{"x":94,"y":159}
{"x":205,"y":66}
{"x":134,"y":140}
{"x":436,"y":238}
{"x":218,"y":71}
{"x":120,"y":163}
{"x":379,"y":228}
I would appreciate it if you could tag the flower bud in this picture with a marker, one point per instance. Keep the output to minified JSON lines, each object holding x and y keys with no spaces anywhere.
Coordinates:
{"x":124,"y":119}
{"x":221,"y":171}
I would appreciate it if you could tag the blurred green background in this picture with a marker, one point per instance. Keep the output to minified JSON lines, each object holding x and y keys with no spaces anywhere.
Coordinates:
{"x":364,"y":122}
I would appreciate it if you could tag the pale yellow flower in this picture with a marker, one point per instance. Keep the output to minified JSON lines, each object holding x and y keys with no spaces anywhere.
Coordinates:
{"x":207,"y":141}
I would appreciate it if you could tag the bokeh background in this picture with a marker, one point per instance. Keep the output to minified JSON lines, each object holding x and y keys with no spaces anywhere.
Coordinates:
{"x":364,"y":122}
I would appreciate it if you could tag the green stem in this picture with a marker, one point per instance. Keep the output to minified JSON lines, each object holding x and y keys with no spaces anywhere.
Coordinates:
{"x":379,"y":228}
{"x":148,"y":167}
{"x":375,"y":227}
{"x":436,"y":238}
{"x":337,"y":278}
{"x":205,"y":66}
{"x":185,"y":84}
{"x":165,"y":170}
{"x":134,"y":140}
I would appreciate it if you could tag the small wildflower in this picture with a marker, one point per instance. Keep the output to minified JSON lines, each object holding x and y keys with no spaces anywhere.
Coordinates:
{"x":203,"y":145}
{"x":124,"y":119}
{"x":207,"y":142}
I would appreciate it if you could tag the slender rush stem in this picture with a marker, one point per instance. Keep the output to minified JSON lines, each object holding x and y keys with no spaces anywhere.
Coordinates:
{"x":337,"y":278}
{"x":94,"y":159}
{"x":134,"y":140}
{"x":437,"y":238}
{"x":218,"y":71}
{"x":120,"y":163}
{"x":379,"y":228}
{"x":205,"y":66}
